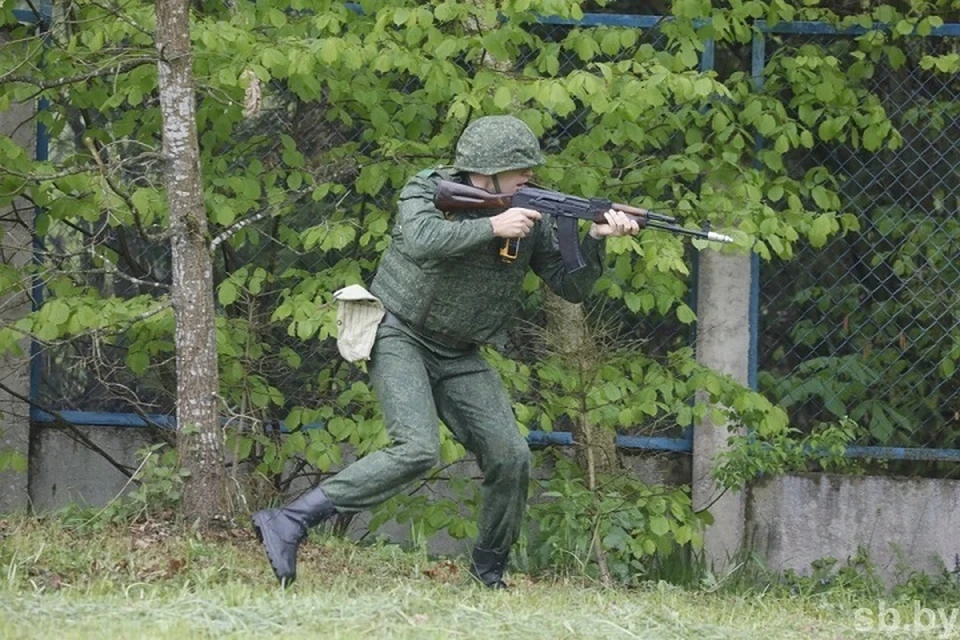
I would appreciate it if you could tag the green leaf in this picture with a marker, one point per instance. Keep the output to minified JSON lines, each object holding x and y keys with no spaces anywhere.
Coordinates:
{"x":295,"y":180}
{"x":610,"y":43}
{"x":659,"y":525}
{"x":880,"y":426}
{"x":305,"y":329}
{"x":227,"y":293}
{"x":616,"y":538}
{"x":586,"y":48}
{"x":827,"y":129}
{"x":273,"y":60}
{"x":292,"y":158}
{"x":401,"y":16}
{"x":276,"y":17}
{"x":227,"y":77}
{"x":948,"y":367}
{"x":138,"y":361}
{"x":685,"y":314}
{"x":12,"y":460}
{"x":720,"y":121}
{"x":766,"y":125}
{"x":338,"y":237}
{"x":330,"y":50}
{"x":57,"y":312}
{"x":612,"y":392}
{"x":444,"y":12}
{"x":896,"y":56}
{"x":450,"y":450}
{"x":88,"y":317}
{"x":808,"y":115}
{"x":834,"y":405}
{"x":703,"y":87}
{"x":873,"y":137}
{"x":134,"y":96}
{"x":688,"y":56}
{"x":503,"y":98}
{"x":295,"y":443}
{"x":904,"y":27}
{"x":224,"y":213}
{"x":821,"y":228}
{"x":243,"y":448}
{"x":825,"y":91}
{"x":782,"y":145}
{"x":821,"y":196}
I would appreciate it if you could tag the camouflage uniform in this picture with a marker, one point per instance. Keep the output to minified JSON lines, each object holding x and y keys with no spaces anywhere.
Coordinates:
{"x":447,"y":291}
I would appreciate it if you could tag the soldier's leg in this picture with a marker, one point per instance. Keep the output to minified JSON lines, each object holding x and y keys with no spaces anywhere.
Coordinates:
{"x":471,"y":401}
{"x":400,"y":380}
{"x":398,"y":374}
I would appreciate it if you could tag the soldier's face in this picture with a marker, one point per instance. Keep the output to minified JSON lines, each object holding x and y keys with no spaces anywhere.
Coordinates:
{"x":511,"y":181}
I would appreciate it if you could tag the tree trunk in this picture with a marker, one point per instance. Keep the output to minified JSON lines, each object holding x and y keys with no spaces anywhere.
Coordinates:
{"x":199,"y":440}
{"x":569,"y":335}
{"x":594,"y":447}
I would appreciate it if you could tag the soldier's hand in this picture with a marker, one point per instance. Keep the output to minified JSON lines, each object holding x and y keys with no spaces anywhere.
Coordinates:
{"x":618,"y":224}
{"x":515,"y":222}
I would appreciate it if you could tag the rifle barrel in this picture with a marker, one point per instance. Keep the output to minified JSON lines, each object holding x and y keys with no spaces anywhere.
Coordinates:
{"x":706,"y":235}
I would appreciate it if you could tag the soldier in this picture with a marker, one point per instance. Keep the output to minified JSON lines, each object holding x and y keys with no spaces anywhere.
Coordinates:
{"x":446,"y":291}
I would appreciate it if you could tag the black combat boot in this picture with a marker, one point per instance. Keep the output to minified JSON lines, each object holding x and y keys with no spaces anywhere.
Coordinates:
{"x":281,"y":530}
{"x":488,"y":567}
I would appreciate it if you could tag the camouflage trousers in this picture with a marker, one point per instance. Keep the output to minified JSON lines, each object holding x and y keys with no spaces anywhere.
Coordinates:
{"x":417,"y":387}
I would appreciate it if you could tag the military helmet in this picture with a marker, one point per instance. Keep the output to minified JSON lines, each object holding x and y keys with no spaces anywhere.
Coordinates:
{"x":494,"y":144}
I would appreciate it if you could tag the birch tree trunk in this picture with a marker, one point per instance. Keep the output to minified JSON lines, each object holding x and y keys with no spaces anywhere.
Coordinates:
{"x":199,"y":438}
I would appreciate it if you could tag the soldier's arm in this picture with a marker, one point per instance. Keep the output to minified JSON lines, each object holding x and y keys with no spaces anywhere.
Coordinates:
{"x":426,"y":233}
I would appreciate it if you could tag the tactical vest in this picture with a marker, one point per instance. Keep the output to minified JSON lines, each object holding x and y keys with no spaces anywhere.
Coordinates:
{"x":468,"y":297}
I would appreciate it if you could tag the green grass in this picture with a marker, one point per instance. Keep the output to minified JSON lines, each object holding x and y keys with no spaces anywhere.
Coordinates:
{"x":155,"y":580}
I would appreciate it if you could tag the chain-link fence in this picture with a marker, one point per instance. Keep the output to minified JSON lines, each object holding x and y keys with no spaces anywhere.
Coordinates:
{"x":865,"y":327}
{"x":88,"y":376}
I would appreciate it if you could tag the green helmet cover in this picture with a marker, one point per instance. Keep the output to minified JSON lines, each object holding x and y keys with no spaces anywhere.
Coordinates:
{"x":494,"y":144}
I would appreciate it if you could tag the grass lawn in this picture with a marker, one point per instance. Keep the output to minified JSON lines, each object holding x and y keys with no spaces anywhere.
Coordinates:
{"x":154,"y":580}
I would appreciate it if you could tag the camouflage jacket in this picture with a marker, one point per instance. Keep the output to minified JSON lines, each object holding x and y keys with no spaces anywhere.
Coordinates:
{"x":443,"y":275}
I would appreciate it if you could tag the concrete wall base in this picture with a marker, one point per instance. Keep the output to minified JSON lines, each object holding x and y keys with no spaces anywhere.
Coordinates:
{"x":904,"y":524}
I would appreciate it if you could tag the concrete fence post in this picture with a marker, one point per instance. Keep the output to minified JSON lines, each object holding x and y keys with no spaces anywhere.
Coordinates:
{"x":723,"y":344}
{"x":17,"y":123}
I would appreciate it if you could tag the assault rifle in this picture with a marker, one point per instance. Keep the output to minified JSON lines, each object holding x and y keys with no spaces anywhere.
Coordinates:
{"x":453,"y":196}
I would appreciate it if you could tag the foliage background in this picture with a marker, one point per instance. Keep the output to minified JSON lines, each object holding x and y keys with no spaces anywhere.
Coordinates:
{"x":312,"y":115}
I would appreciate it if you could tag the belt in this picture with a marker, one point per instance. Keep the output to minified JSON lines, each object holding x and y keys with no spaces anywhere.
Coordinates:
{"x":443,"y":340}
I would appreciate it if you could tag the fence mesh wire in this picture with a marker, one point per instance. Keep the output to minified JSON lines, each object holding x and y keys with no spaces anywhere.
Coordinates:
{"x":865,"y":326}
{"x":87,"y":376}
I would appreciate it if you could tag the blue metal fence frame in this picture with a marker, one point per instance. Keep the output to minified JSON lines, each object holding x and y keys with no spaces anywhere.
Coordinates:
{"x":662,"y":444}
